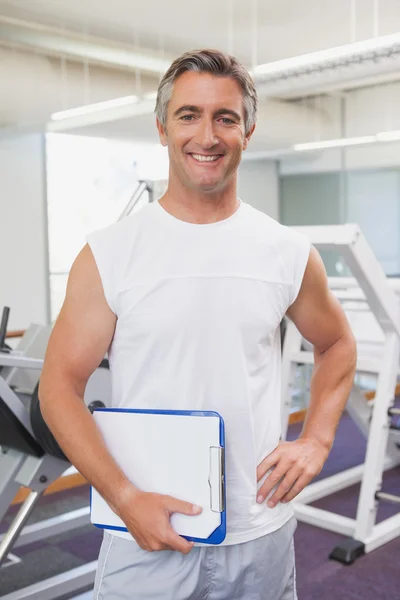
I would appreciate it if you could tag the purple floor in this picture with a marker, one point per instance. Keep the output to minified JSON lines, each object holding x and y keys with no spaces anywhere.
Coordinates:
{"x":375,"y":576}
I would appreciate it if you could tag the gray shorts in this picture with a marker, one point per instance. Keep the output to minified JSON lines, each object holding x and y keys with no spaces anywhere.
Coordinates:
{"x":262,"y":569}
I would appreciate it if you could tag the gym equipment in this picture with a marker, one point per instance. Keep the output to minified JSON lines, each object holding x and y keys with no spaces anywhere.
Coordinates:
{"x":3,"y":330}
{"x":30,"y":457}
{"x":142,"y":187}
{"x":379,"y":358}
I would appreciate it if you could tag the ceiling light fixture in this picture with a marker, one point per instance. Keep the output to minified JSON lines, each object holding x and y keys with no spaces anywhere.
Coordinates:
{"x":370,"y":50}
{"x":383,"y":136}
{"x":93,"y":108}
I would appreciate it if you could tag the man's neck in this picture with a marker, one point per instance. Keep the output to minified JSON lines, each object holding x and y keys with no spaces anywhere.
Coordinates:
{"x":196,"y":207}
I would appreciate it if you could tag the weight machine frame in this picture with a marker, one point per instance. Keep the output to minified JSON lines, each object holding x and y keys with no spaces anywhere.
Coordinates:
{"x":37,"y":473}
{"x":19,"y":469}
{"x":382,"y":453}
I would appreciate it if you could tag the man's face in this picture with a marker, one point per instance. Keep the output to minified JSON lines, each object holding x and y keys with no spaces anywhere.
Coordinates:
{"x":205,"y":130}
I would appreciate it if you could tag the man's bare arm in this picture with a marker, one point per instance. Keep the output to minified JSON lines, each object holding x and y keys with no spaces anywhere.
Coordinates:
{"x":321,"y":320}
{"x":319,"y":317}
{"x":79,"y":341}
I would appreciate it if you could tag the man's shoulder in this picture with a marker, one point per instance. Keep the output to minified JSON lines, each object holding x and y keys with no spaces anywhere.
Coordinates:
{"x":121,"y":230}
{"x":262,"y":222}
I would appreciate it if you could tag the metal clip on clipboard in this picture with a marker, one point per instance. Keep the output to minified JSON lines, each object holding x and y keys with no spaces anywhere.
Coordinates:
{"x":216,"y":479}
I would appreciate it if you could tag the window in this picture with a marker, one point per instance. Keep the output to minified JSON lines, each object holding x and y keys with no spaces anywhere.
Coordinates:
{"x":89,"y":183}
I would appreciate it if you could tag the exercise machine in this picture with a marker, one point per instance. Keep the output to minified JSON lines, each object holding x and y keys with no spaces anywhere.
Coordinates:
{"x":29,"y":454}
{"x":377,"y":293}
{"x":25,"y":459}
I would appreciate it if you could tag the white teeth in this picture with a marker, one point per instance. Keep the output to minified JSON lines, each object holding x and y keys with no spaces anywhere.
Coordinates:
{"x":202,"y":158}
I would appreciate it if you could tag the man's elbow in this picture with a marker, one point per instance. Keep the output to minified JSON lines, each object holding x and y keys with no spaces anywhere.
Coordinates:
{"x":52,"y":384}
{"x":349,"y":347}
{"x":46,"y":391}
{"x":343,"y":348}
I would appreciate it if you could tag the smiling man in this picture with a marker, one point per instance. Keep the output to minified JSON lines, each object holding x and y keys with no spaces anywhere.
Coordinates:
{"x":187,"y":296}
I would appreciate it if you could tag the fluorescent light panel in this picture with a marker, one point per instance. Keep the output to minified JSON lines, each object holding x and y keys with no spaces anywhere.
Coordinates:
{"x":383,"y":136}
{"x":329,"y":55}
{"x":93,"y":108}
{"x":100,"y":106}
{"x":368,"y":139}
{"x":388,"y":136}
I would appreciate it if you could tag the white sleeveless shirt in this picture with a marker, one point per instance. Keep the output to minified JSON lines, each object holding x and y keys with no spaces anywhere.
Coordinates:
{"x":199,"y":308}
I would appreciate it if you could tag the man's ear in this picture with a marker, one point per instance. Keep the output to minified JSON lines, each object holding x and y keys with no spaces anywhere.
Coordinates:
{"x":162,"y":133}
{"x":247,"y":137}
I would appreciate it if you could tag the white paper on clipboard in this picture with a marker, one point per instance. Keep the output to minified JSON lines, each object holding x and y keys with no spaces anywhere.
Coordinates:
{"x":175,"y":454}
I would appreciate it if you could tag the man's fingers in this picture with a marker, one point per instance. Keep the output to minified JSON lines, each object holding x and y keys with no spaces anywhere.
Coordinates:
{"x":174,"y":505}
{"x":298,"y":487}
{"x":285,"y":486}
{"x":272,"y":480}
{"x":178,"y":543}
{"x":270,"y":461}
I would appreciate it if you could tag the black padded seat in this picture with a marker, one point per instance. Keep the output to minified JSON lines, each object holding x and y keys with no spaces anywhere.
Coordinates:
{"x":14,"y":435}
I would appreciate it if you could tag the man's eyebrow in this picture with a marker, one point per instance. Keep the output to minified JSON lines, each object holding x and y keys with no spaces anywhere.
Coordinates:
{"x":228,"y":111}
{"x":195,"y":109}
{"x":186,"y":108}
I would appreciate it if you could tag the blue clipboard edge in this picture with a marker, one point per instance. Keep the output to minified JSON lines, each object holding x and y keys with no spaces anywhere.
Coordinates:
{"x":219,"y":534}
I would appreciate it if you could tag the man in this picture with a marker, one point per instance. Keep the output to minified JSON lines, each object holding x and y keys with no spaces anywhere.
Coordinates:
{"x":187,"y":296}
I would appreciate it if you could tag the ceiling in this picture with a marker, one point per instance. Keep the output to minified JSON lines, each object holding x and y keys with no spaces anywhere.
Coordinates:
{"x":254,"y":30}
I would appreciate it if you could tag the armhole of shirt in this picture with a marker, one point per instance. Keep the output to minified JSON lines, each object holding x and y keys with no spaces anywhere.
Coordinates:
{"x":302,"y":253}
{"x":96,"y":247}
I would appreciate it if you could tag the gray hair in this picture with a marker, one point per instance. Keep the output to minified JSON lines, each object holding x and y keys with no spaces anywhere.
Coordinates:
{"x":213,"y":62}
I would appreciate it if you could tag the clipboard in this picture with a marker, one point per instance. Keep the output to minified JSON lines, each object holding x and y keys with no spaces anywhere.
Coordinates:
{"x":176,"y":452}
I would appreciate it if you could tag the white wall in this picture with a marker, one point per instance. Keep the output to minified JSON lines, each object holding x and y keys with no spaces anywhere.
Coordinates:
{"x":373,"y":201}
{"x":368,"y":111}
{"x":366,"y":157}
{"x":62,"y":86}
{"x":23,"y":230}
{"x":259,"y":185}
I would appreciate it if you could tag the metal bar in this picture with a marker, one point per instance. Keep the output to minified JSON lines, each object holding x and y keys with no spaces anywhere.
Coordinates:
{"x":377,"y":439}
{"x":57,"y":586}
{"x":365,"y":364}
{"x":359,"y":409}
{"x":150,"y":189}
{"x":20,"y":362}
{"x":330,"y":485}
{"x":394,"y":412}
{"x":54,"y":526}
{"x":330,"y":237}
{"x":355,"y":295}
{"x":340,"y":481}
{"x":372,"y":280}
{"x":292,"y":341}
{"x":351,"y":243}
{"x":344,"y":283}
{"x":38,"y":473}
{"x":384,"y":532}
{"x":324,"y":519}
{"x":384,"y":304}
{"x":18,"y":523}
{"x":387,"y":497}
{"x":10,"y":464}
{"x":137,"y":194}
{"x":3,"y":325}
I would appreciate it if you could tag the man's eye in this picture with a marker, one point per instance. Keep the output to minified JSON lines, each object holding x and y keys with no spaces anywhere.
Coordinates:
{"x":227,"y":121}
{"x":187,"y":117}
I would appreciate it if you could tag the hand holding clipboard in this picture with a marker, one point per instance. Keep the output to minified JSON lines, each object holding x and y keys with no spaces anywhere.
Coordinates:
{"x":147,"y":517}
{"x":176,"y":459}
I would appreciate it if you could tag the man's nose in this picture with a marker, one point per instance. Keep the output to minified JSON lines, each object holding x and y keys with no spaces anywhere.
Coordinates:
{"x":207,"y":137}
